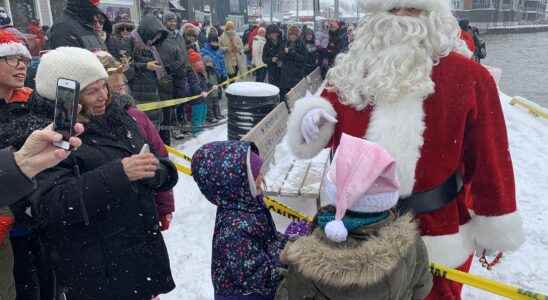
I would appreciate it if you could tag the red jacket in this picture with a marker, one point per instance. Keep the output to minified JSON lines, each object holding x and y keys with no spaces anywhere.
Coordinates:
{"x":251,"y":37}
{"x":468,"y":38}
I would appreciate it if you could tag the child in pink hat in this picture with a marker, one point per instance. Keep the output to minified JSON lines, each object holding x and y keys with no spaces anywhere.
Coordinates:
{"x":360,"y":247}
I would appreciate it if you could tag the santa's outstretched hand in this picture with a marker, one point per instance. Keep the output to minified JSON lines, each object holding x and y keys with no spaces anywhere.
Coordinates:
{"x":313,"y":121}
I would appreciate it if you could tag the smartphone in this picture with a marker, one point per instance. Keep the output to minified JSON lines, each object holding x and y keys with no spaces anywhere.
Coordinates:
{"x":66,"y":110}
{"x":145,"y":149}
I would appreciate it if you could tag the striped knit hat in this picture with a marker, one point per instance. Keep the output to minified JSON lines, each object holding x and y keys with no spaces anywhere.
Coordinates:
{"x":11,"y":45}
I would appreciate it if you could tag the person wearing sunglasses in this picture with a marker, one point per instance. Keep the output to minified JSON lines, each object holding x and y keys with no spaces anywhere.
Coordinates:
{"x":120,"y":43}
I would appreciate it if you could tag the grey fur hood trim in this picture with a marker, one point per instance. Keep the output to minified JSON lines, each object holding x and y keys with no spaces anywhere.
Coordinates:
{"x":355,"y":262}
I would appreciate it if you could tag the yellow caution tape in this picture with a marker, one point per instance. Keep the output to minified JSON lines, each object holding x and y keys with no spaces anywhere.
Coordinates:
{"x":533,"y":108}
{"x":178,"y":153}
{"x":183,"y":169}
{"x":174,"y":102}
{"x":438,"y":270}
{"x":485,"y":284}
{"x":285,"y":211}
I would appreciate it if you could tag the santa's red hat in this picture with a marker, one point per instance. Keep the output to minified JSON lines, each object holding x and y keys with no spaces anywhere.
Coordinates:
{"x":10,"y":45}
{"x":375,"y":6}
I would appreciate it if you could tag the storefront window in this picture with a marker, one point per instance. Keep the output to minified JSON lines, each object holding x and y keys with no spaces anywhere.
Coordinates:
{"x":234,"y":6}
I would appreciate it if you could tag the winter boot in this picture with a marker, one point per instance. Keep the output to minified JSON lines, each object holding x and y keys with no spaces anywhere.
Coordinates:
{"x":211,"y":119}
{"x":217,"y":111}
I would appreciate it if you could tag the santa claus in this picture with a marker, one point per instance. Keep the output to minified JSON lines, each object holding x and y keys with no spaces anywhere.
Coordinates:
{"x":407,"y":83}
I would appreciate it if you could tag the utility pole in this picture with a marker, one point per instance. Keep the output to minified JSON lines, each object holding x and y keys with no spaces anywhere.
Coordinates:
{"x":271,"y":11}
{"x":297,"y":11}
{"x":316,"y":10}
{"x":337,"y":9}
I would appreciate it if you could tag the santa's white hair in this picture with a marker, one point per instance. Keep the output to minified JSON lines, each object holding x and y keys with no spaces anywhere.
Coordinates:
{"x":393,"y":56}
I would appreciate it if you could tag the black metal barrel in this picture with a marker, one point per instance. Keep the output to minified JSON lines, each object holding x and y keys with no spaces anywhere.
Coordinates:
{"x":248,"y":104}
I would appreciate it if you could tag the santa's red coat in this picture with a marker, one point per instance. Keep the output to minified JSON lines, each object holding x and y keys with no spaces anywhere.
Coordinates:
{"x":458,"y":128}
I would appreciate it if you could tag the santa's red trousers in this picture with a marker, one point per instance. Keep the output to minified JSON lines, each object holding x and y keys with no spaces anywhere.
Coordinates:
{"x":444,"y":289}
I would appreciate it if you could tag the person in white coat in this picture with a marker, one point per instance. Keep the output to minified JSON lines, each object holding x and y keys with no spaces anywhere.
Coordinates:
{"x":257,"y":54}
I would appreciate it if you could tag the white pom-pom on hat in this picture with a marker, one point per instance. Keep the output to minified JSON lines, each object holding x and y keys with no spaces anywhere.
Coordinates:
{"x":336,"y":231}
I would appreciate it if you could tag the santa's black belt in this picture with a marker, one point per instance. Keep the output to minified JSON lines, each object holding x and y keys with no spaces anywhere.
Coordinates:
{"x":434,"y":199}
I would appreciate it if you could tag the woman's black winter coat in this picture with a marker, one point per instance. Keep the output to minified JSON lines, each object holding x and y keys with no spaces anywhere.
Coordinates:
{"x":293,"y":64}
{"x":270,"y":51}
{"x":144,"y":83}
{"x":102,"y":231}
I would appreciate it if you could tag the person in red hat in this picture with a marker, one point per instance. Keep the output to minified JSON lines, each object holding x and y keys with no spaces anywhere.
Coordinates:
{"x":78,"y":26}
{"x":408,"y":84}
{"x":199,"y":107}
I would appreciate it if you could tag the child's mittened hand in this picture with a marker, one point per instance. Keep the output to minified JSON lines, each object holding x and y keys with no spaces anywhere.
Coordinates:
{"x":298,"y":229}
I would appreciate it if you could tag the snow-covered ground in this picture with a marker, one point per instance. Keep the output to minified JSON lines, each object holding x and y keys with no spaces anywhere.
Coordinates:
{"x":189,"y":239}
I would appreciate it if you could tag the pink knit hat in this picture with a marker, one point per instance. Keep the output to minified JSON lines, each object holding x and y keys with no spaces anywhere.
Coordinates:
{"x":362,"y":178}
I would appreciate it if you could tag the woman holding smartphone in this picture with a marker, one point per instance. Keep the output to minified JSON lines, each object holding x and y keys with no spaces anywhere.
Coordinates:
{"x":102,"y":230}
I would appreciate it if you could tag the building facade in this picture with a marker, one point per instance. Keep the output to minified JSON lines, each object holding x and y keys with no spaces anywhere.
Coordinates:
{"x":489,"y":13}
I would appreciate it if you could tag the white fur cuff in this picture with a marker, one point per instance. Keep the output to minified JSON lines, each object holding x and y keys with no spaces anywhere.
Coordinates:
{"x":451,"y":250}
{"x":499,"y":233}
{"x":295,"y":139}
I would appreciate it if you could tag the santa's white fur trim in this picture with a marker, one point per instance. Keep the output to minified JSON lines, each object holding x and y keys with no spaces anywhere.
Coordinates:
{"x":499,"y":233}
{"x":294,"y":136}
{"x":336,"y":231}
{"x":14,"y":48}
{"x":451,"y":250}
{"x":399,"y":127}
{"x":373,"y":6}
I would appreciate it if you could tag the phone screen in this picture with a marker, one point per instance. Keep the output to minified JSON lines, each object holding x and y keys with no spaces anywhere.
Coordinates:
{"x":66,"y":108}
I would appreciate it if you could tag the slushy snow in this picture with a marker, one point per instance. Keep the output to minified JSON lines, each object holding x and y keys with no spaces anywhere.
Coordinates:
{"x":189,"y":239}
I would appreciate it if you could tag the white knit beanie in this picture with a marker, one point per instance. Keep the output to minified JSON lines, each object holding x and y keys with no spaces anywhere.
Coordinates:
{"x":375,"y":6}
{"x":69,"y":63}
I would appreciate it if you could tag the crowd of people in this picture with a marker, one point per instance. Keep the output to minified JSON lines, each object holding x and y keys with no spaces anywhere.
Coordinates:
{"x":87,"y":223}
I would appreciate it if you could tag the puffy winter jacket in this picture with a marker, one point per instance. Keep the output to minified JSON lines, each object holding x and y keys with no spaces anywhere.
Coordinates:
{"x":218,"y":58}
{"x":19,"y":117}
{"x":76,"y":27}
{"x":144,"y":83}
{"x":383,"y":261}
{"x":293,"y":64}
{"x":246,"y":245}
{"x":102,"y":230}
{"x":257,"y":51}
{"x":165,"y":203}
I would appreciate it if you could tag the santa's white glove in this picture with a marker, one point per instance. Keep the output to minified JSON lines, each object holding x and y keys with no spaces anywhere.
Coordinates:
{"x":312,"y":121}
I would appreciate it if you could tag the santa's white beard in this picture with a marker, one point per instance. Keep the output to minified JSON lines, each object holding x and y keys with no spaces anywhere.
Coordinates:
{"x":391,"y":57}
